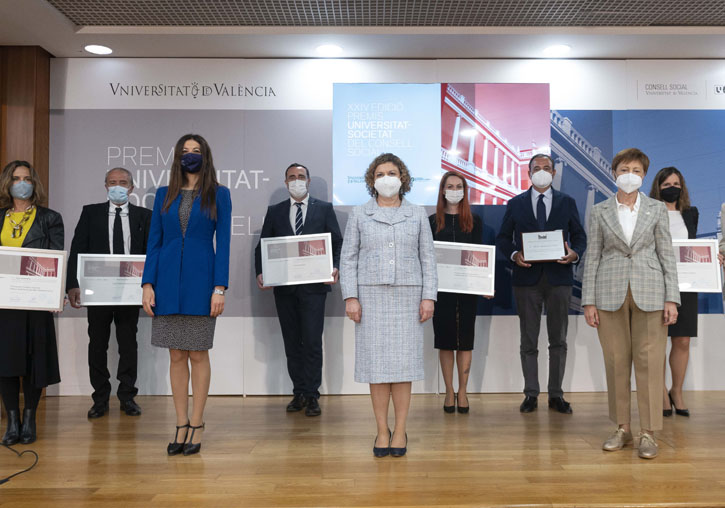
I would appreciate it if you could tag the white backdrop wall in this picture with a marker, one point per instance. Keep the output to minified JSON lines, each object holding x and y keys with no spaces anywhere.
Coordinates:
{"x":260,"y":115}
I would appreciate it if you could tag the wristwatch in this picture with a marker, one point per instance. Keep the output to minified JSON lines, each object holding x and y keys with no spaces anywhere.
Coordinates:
{"x":218,"y":291}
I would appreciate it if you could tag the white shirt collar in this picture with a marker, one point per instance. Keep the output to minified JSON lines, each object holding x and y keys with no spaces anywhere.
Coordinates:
{"x":304,"y":202}
{"x":636,"y":203}
{"x":547,"y":193}
{"x":112,"y":207}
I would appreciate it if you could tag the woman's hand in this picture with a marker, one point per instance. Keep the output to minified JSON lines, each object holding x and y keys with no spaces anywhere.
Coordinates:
{"x":591,"y":315}
{"x":260,"y":283}
{"x":353,"y":310}
{"x":217,"y":303}
{"x":148,"y":300}
{"x":426,"y":310}
{"x":670,"y":313}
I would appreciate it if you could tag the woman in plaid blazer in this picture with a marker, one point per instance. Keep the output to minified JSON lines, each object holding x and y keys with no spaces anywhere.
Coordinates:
{"x":630,"y":294}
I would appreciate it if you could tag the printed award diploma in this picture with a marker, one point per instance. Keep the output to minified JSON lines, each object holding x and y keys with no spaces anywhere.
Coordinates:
{"x":465,"y":268}
{"x":698,"y":270}
{"x":110,"y":279}
{"x":32,"y":279}
{"x":301,"y":259}
{"x":539,"y":246}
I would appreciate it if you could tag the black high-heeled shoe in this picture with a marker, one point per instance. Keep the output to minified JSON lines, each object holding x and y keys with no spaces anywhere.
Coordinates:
{"x":190,"y":448}
{"x":399,"y":452}
{"x":462,"y":409}
{"x":177,"y":447}
{"x":450,"y":409}
{"x":382,"y":451}
{"x":681,"y":412}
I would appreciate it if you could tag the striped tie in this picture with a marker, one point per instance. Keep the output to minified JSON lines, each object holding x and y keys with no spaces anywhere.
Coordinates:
{"x":298,"y":219}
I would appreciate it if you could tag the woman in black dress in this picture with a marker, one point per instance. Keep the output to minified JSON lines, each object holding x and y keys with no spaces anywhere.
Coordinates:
{"x":669,"y":187}
{"x":28,"y":349}
{"x":454,"y":318}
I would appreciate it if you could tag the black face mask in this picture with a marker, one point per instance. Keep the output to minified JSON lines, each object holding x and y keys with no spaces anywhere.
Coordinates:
{"x":671,"y":194}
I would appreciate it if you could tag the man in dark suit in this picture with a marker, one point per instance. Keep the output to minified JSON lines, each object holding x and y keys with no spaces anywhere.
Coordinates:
{"x":546,"y":284}
{"x":112,"y":227}
{"x":301,"y":308}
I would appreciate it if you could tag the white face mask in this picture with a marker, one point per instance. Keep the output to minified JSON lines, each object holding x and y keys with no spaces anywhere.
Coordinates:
{"x":541,"y":178}
{"x":454,"y":196}
{"x":629,"y":182}
{"x":387,"y":186}
{"x":297,"y":188}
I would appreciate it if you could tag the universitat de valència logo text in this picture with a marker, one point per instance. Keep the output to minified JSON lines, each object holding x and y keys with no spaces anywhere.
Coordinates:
{"x":193,"y":90}
{"x":720,"y":89}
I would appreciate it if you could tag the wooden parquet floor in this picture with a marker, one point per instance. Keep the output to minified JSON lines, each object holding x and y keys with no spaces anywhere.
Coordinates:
{"x":256,"y":454}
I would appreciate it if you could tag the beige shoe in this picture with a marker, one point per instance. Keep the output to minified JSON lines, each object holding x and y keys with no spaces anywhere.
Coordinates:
{"x":617,"y":441}
{"x":647,"y":446}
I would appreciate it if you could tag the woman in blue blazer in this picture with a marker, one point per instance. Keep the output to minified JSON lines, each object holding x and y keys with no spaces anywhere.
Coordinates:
{"x":184,"y":279}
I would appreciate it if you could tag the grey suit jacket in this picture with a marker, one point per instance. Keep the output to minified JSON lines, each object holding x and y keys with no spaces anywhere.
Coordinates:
{"x":647,"y":265}
{"x":378,"y":252}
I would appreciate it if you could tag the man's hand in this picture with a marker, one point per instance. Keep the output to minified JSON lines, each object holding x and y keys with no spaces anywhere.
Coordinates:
{"x":74,"y":297}
{"x":260,"y":283}
{"x":570,"y":256}
{"x":670,"y":313}
{"x":591,"y":315}
{"x":519,"y":260}
{"x":335,"y":277}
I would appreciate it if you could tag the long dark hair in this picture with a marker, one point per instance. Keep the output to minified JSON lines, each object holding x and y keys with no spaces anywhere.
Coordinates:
{"x":465,"y":217}
{"x":683,"y":202}
{"x":207,"y":184}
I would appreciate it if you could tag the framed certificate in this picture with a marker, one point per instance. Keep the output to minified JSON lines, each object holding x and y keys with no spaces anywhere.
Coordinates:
{"x":110,"y":279}
{"x":32,"y":279}
{"x":301,"y":259}
{"x":698,"y":270}
{"x":541,"y":246}
{"x":466,"y":268}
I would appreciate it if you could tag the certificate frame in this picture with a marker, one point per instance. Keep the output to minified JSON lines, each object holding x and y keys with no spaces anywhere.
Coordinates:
{"x":299,"y":252}
{"x":698,"y":269}
{"x":532,"y":237}
{"x":110,"y":279}
{"x":461,"y":266}
{"x":32,"y":279}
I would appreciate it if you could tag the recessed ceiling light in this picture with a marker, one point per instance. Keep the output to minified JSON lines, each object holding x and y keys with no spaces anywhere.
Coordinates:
{"x":98,"y":50}
{"x":557,"y":50}
{"x":329,"y":50}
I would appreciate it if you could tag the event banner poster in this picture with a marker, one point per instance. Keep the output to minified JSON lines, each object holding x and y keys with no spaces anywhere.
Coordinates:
{"x":370,"y":119}
{"x":485,"y":132}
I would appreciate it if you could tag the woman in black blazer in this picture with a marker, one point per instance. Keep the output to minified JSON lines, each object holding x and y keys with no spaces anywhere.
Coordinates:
{"x":669,"y":187}
{"x":28,"y":348}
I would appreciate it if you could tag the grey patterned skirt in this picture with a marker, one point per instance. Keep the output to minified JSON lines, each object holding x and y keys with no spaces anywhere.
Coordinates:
{"x":184,"y":332}
{"x":389,"y":337}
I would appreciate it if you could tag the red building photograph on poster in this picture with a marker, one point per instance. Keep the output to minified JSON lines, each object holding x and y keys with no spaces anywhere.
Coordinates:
{"x":474,"y":258}
{"x":695,"y":254}
{"x":489,"y":133}
{"x":38,"y":266}
{"x":131,"y":269}
{"x":311,"y":248}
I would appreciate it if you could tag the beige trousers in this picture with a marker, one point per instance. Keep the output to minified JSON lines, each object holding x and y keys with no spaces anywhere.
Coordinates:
{"x":630,"y":335}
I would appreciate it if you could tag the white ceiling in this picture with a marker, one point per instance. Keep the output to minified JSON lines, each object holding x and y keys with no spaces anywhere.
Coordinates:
{"x":36,"y":22}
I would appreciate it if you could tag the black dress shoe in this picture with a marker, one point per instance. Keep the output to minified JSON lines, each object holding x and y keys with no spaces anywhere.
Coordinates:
{"x":461,"y":409}
{"x":99,"y":409}
{"x":313,"y":407}
{"x":382,"y":451}
{"x":12,"y":433}
{"x":529,"y":404}
{"x":177,"y":446}
{"x":559,"y":404}
{"x":190,"y":448}
{"x":450,"y":409}
{"x":28,"y":432}
{"x":297,"y":403}
{"x":399,"y":452}
{"x":681,"y":412}
{"x":130,"y":408}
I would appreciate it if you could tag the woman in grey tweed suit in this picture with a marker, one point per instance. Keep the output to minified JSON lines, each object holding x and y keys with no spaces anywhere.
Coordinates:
{"x":630,"y":294}
{"x":389,"y":283}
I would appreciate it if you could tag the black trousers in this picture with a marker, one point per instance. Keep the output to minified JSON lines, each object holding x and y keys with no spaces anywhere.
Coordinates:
{"x":529,"y":303}
{"x":99,"y":332}
{"x":302,"y":319}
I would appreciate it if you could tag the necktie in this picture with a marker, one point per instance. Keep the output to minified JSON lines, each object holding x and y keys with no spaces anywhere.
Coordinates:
{"x":298,"y":219}
{"x":541,"y":213}
{"x":118,"y":233}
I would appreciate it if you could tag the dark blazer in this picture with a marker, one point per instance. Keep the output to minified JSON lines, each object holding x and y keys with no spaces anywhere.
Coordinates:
{"x":184,"y":269}
{"x":320,"y":218}
{"x":91,"y":235}
{"x":519,"y":218}
{"x":26,"y":332}
{"x":691,"y":217}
